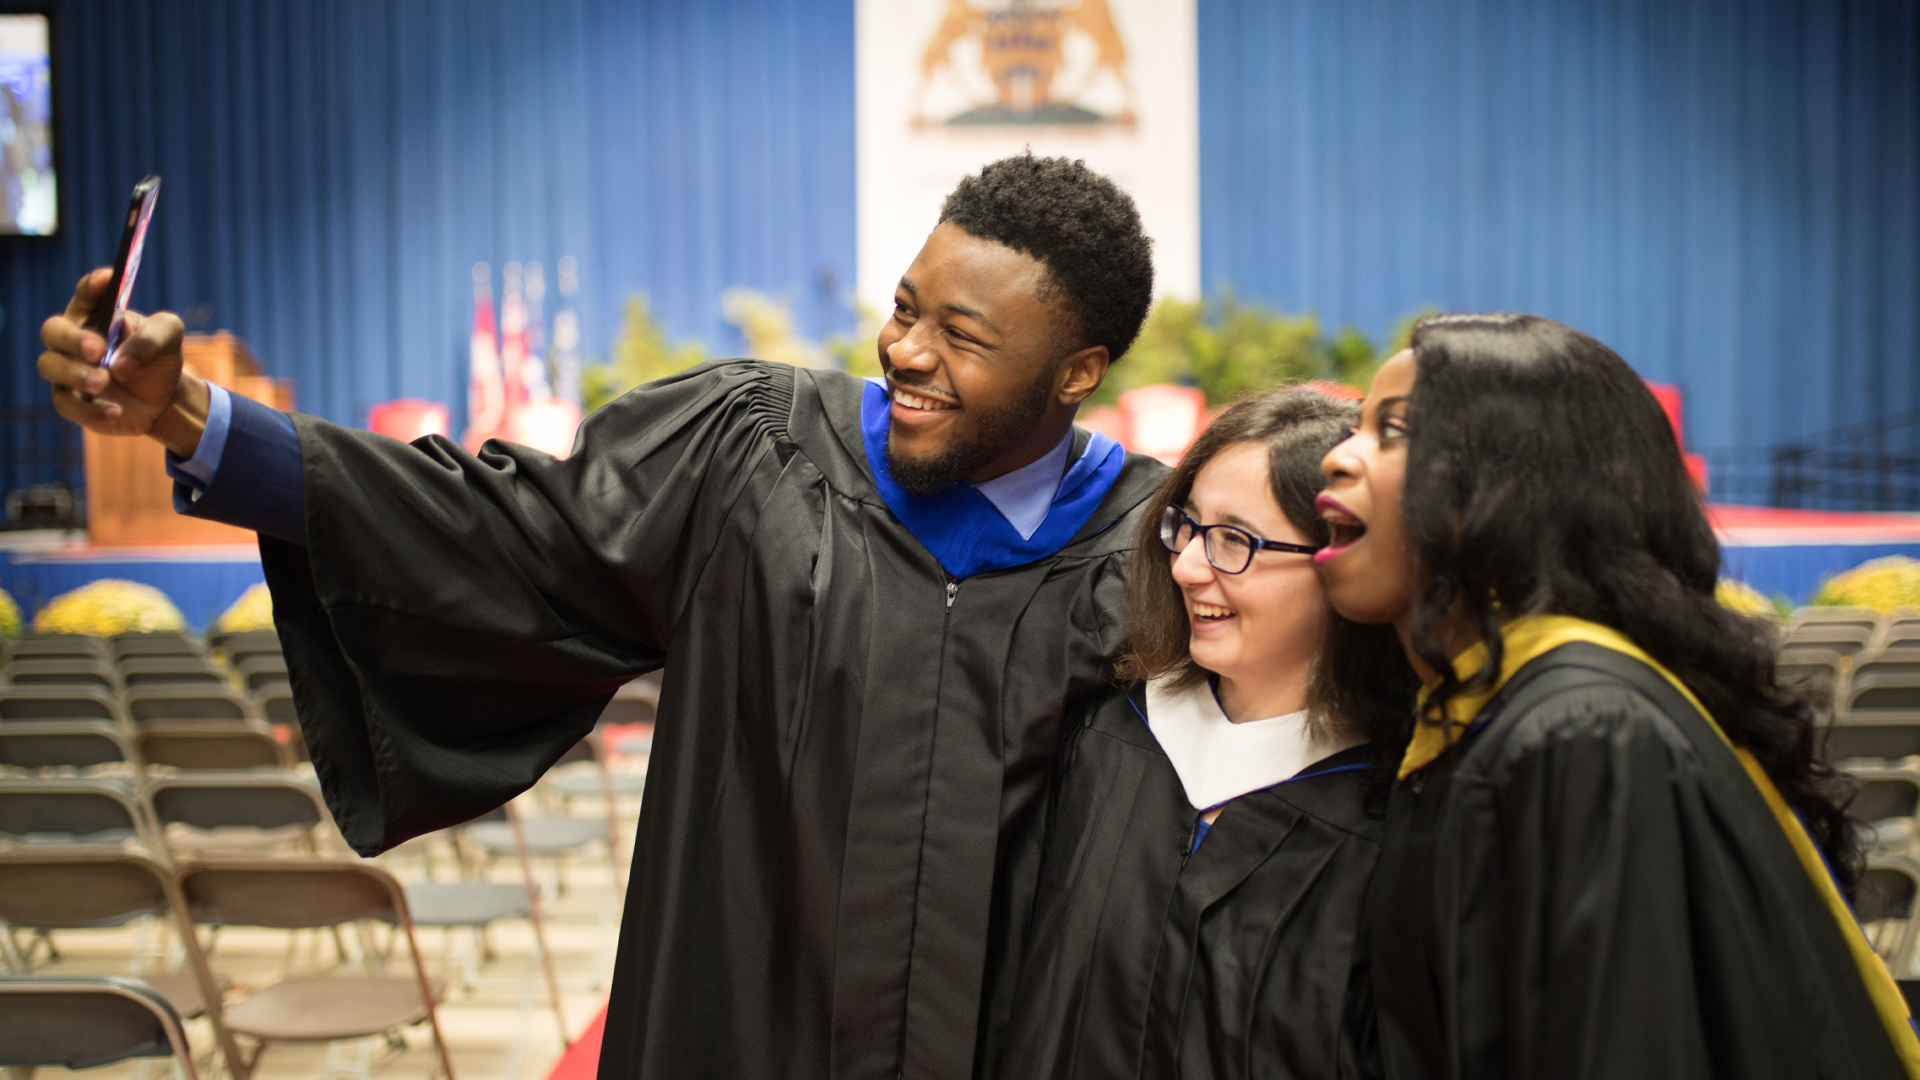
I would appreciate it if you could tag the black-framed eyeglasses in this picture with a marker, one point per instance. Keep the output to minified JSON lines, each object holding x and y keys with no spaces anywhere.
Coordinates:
{"x":1229,"y":548}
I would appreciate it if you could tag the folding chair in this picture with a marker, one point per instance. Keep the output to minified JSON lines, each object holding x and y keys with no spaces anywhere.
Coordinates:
{"x":239,"y":644}
{"x":149,"y":703}
{"x":140,"y":672}
{"x":1902,"y":635}
{"x":308,"y":894}
{"x":583,"y":772}
{"x":237,"y":810}
{"x":38,"y":672}
{"x":1866,"y":618}
{"x":1891,"y":660}
{"x":1842,"y":639}
{"x":1885,"y":904}
{"x":81,"y":1021}
{"x":152,"y":643}
{"x":77,"y":890}
{"x":1885,"y":804}
{"x":74,"y":744}
{"x":274,"y":702}
{"x":59,"y":703}
{"x":1891,"y":695}
{"x":248,"y":744}
{"x":1868,"y":743}
{"x":73,"y":810}
{"x":57,"y":647}
{"x":1815,"y":674}
{"x":477,"y":904}
{"x":554,"y":838}
{"x":261,"y":670}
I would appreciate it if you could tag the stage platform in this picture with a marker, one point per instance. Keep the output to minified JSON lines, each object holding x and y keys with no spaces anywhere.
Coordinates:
{"x":1785,"y":552}
{"x":1790,"y":552}
{"x":202,"y":579}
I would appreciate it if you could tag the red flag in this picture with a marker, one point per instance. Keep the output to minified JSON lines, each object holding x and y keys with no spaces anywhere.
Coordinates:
{"x":486,"y":398}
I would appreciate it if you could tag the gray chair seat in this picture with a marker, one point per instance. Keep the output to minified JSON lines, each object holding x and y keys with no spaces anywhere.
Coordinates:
{"x":545,"y":836}
{"x":466,"y":903}
{"x":585,"y":782}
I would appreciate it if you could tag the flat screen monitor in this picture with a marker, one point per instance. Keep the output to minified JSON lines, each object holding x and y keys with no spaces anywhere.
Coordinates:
{"x":29,"y":191}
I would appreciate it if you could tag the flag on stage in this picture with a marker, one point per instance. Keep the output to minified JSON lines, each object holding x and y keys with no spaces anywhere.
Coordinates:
{"x":533,"y":370}
{"x":486,"y":398}
{"x":513,"y":341}
{"x":566,"y":335}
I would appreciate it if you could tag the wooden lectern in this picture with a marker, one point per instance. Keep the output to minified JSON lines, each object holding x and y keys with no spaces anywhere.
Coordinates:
{"x":129,"y":495}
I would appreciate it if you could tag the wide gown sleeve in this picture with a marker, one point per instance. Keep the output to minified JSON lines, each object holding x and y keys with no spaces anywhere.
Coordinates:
{"x":455,"y":622}
{"x":1597,"y":930}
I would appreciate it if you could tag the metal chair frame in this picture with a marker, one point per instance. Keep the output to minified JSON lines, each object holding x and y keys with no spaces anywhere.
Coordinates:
{"x":242,"y":1067}
{"x":114,"y":986}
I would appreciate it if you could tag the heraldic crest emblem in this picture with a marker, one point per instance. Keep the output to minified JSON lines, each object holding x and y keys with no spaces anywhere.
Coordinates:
{"x":1023,"y":49}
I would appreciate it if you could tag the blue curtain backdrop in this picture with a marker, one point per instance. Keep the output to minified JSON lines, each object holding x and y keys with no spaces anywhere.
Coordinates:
{"x":1724,"y":190}
{"x":334,"y":168}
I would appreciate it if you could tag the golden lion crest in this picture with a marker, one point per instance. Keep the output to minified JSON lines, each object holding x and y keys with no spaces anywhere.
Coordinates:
{"x":1023,"y":51}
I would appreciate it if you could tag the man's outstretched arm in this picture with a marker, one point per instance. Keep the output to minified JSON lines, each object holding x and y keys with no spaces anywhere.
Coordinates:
{"x":232,"y":460}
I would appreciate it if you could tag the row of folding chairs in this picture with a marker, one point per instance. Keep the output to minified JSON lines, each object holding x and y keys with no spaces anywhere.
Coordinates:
{"x":1877,"y":682}
{"x":68,"y":890}
{"x":178,"y":815}
{"x":250,"y":660}
{"x":1850,"y":631}
{"x":139,"y":706}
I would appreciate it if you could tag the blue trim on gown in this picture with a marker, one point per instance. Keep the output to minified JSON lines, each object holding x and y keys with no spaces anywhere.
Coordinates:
{"x":962,"y":528}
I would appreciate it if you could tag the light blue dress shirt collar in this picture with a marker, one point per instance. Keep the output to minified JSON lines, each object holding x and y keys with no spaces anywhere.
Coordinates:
{"x":1024,"y":495}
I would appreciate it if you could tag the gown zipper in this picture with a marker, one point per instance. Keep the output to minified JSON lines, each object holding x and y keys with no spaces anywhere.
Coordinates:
{"x":953,"y":590}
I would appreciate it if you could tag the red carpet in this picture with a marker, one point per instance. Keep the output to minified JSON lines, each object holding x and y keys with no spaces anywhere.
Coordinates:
{"x":582,"y":1062}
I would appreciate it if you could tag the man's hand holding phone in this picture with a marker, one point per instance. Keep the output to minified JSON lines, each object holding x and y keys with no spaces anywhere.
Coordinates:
{"x":144,"y":391}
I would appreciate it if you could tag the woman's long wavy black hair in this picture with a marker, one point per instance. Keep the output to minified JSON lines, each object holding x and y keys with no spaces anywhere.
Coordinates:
{"x":1542,"y":476}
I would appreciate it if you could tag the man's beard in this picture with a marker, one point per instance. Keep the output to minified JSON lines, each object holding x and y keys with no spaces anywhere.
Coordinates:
{"x":999,"y":430}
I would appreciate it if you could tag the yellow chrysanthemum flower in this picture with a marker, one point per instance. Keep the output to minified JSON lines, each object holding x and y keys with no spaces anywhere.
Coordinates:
{"x":1882,"y":585}
{"x":253,"y":611}
{"x":109,"y":606}
{"x":9,"y":616}
{"x":1742,"y":597}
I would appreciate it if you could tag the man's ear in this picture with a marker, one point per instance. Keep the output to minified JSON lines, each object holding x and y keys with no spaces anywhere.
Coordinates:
{"x":1081,"y":374}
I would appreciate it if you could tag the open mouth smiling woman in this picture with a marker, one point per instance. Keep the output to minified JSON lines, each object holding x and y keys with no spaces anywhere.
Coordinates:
{"x":1611,"y":852}
{"x":1211,"y":833}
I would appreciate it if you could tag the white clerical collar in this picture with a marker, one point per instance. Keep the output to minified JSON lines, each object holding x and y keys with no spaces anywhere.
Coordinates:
{"x":1218,"y":760}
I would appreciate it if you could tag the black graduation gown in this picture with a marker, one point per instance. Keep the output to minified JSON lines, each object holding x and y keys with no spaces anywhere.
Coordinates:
{"x":1588,"y":884}
{"x":1238,"y":961}
{"x":842,"y":740}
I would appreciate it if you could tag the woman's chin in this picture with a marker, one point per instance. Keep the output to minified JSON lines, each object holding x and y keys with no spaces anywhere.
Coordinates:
{"x":1211,"y":652}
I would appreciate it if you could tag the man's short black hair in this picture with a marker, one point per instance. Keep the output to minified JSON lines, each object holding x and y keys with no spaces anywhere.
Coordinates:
{"x":1080,"y":225}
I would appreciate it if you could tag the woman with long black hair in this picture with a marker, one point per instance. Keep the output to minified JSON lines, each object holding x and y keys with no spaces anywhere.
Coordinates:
{"x":1215,"y":816}
{"x":1611,"y":852}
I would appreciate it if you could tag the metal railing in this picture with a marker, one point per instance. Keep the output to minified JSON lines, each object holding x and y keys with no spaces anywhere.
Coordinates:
{"x":41,"y":463}
{"x":1869,"y":466}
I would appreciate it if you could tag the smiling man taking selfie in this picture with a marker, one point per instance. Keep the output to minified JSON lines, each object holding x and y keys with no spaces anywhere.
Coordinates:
{"x":873,"y":601}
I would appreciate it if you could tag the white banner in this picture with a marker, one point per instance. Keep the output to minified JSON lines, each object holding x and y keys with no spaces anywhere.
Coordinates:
{"x":946,"y":86}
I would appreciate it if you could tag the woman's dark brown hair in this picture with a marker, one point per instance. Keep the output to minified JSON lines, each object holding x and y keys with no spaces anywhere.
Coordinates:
{"x":1361,"y":680}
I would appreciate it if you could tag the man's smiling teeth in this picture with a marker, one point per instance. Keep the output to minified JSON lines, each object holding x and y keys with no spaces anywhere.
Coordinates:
{"x":1211,"y":611}
{"x":914,"y":401}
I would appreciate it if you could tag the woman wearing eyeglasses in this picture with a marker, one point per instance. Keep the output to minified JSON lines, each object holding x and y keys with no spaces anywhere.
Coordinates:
{"x":1214,"y":821}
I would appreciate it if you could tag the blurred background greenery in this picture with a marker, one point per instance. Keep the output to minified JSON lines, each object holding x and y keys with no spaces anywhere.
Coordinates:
{"x":1221,"y":345}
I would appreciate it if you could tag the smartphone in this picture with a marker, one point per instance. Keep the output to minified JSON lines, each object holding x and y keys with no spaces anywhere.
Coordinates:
{"x":109,"y":318}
